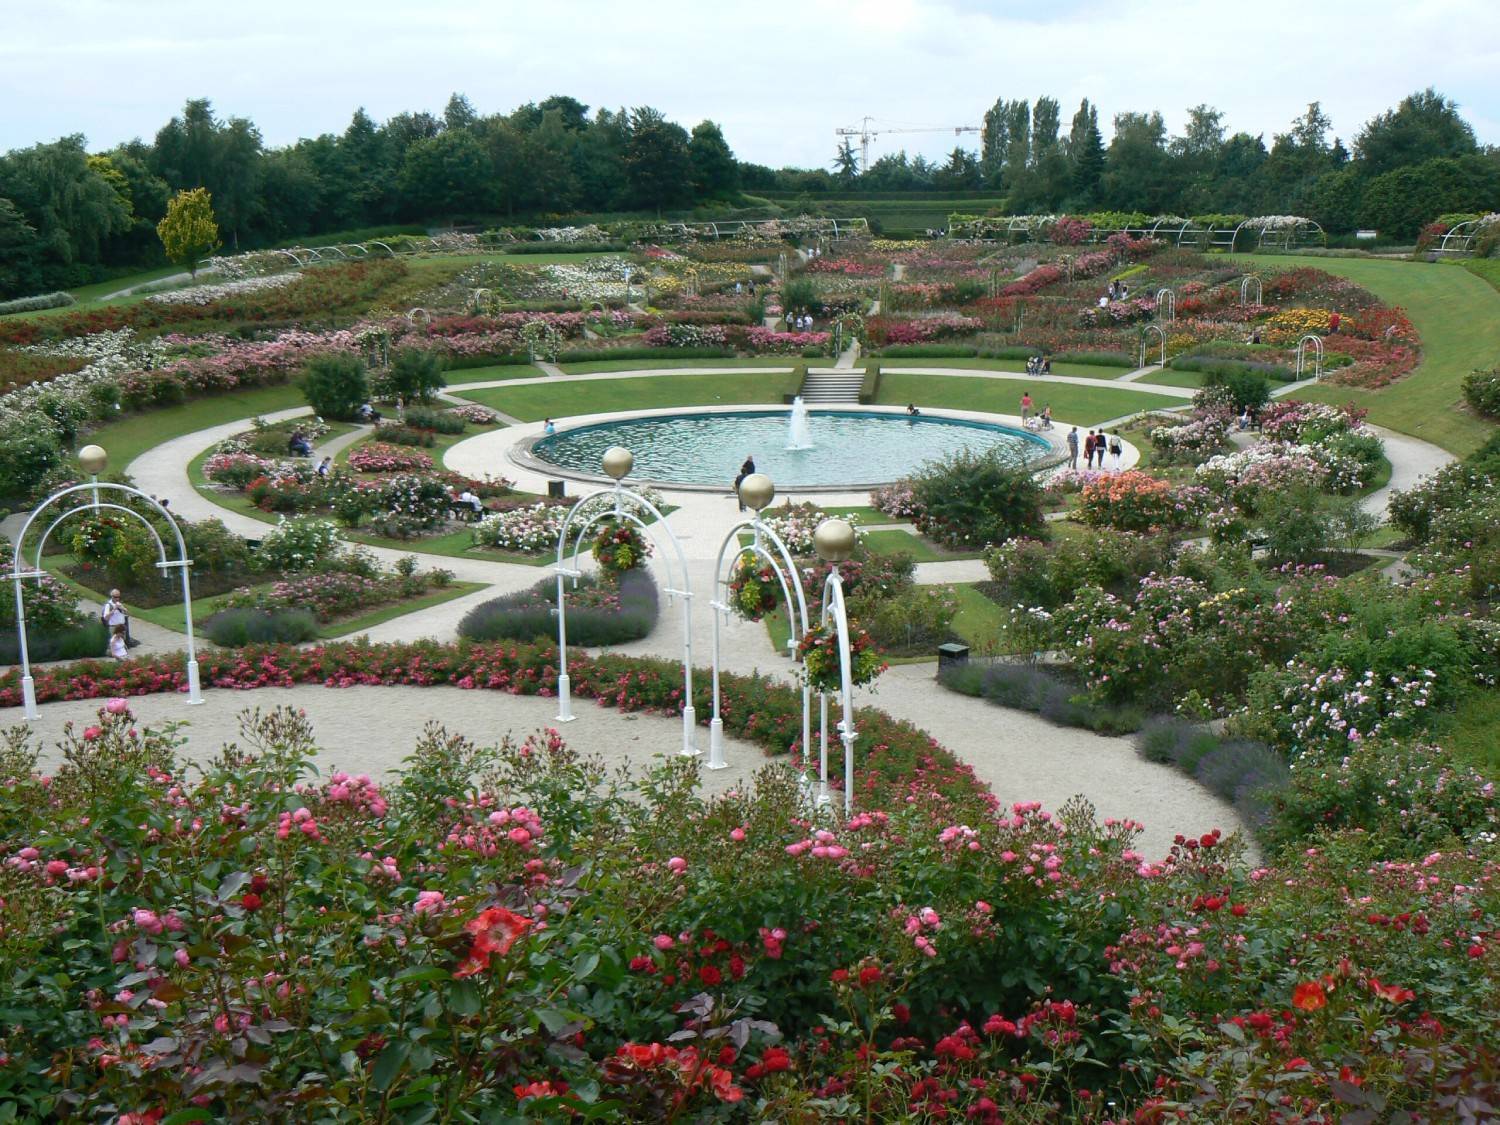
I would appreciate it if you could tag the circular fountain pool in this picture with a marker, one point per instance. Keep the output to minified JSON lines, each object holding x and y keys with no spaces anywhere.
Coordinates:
{"x":848,"y":448}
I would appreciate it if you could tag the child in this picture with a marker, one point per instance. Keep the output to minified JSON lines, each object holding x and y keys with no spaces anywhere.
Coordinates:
{"x":117,"y":647}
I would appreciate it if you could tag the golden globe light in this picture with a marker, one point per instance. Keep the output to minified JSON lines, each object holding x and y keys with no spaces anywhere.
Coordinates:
{"x":756,"y":491}
{"x":834,"y":540}
{"x":618,"y":461}
{"x":93,"y":459}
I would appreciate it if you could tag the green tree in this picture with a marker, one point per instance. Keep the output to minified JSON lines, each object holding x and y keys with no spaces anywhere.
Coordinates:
{"x":715,"y":172}
{"x":459,"y":113}
{"x":416,"y":374}
{"x":188,"y":231}
{"x":1137,"y":174}
{"x":20,"y":250}
{"x":846,"y":164}
{"x":961,"y":173}
{"x":1425,"y":126}
{"x":335,"y":385}
{"x":1086,"y":155}
{"x":446,"y":175}
{"x":657,"y":165}
{"x":72,"y":208}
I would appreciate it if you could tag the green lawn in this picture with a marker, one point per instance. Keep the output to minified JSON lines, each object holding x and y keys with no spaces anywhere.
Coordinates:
{"x":783,"y":362}
{"x":1171,"y":377}
{"x":980,"y":621}
{"x":1071,"y":404}
{"x":533,"y":402}
{"x":86,"y":294}
{"x":458,"y":379}
{"x":1457,"y":315}
{"x":1005,"y":366}
{"x":895,"y":541}
{"x":128,"y":438}
{"x":866,"y":515}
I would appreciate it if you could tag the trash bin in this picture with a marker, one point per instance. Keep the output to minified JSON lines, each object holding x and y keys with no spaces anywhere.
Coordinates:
{"x":952,"y":654}
{"x":555,"y":489}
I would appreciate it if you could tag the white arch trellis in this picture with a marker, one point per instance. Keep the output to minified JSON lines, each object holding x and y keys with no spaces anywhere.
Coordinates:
{"x":1260,"y":291}
{"x":790,"y":582}
{"x":1317,"y":350}
{"x":1145,"y":332}
{"x":18,"y":574}
{"x":1461,"y":239}
{"x":619,"y":511}
{"x":1169,"y":298}
{"x":834,"y":609}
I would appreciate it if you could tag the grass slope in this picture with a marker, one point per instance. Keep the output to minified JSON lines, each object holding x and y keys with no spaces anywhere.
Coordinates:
{"x":1458,"y":317}
{"x":1071,"y":404}
{"x":534,"y":401}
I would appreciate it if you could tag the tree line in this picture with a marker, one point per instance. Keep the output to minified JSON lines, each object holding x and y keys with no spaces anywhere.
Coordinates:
{"x":1405,"y":167}
{"x":67,"y":215}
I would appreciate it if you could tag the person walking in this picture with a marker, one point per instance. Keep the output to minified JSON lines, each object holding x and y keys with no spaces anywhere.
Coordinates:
{"x":1025,"y":405}
{"x":113,"y":614}
{"x":1073,"y":448}
{"x":1116,"y":451}
{"x":1090,"y":445}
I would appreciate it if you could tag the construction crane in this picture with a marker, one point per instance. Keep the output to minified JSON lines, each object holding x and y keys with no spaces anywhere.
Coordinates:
{"x":864,"y":133}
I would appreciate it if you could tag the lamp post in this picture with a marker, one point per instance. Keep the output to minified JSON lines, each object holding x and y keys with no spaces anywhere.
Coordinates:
{"x":756,"y":492}
{"x":834,"y":541}
{"x":93,"y":460}
{"x":617,"y":463}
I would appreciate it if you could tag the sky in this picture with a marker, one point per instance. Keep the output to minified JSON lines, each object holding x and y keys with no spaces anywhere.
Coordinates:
{"x":778,"y":77}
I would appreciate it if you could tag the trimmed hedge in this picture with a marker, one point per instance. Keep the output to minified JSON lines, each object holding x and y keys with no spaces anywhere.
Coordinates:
{"x":604,"y":355}
{"x":34,"y":304}
{"x":929,"y":351}
{"x":531,"y":615}
{"x":1216,"y":365}
{"x":1026,"y":687}
{"x":82,"y":642}
{"x":1096,"y":359}
{"x":236,"y":628}
{"x":563,"y":247}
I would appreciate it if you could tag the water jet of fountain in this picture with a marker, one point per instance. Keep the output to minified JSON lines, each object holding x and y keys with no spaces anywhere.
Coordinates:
{"x":798,"y":435}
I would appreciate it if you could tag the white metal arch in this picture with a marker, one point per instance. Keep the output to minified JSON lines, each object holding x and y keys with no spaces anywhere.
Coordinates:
{"x":1260,"y":290}
{"x":1317,"y":349}
{"x":182,"y":563}
{"x":1146,"y":331}
{"x":384,"y":246}
{"x":1170,"y":299}
{"x":833,"y":607}
{"x":621,"y":494}
{"x":790,"y":581}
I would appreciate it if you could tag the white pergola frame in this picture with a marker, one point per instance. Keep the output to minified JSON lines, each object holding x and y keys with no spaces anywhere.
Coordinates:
{"x":1460,"y":240}
{"x":834,"y":608}
{"x":19,"y":574}
{"x":1260,"y":290}
{"x":1166,"y":295}
{"x":1317,"y":349}
{"x":622,"y":495}
{"x":1146,"y":331}
{"x":790,"y":581}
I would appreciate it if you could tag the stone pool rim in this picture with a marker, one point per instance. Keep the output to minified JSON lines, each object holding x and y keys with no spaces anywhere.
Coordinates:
{"x":520,"y":452}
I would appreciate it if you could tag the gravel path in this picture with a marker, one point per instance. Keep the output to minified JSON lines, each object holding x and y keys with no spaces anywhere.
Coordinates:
{"x":341,"y":720}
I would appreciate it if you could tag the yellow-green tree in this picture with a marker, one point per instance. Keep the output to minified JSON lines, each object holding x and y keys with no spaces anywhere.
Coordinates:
{"x":188,"y":232}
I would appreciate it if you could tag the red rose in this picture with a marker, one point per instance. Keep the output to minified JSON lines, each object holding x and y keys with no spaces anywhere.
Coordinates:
{"x":250,"y":901}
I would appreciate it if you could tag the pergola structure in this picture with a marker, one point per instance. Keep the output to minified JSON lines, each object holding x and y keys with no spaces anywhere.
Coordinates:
{"x":1461,"y":239}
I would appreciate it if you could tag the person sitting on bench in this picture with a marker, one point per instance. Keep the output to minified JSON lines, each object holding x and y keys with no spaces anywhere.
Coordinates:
{"x":368,"y":413}
{"x":466,"y":498}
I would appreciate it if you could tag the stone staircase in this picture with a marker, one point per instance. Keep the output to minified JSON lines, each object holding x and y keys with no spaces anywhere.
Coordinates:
{"x":829,"y":388}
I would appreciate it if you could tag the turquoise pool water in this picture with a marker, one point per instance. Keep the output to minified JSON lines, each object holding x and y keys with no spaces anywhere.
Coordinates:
{"x":848,"y":447}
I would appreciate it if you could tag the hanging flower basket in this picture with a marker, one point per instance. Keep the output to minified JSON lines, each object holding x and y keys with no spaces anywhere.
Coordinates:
{"x":620,"y":547}
{"x":753,"y":589}
{"x":819,"y":652}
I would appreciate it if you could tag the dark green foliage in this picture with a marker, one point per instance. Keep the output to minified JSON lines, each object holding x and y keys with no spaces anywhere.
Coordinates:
{"x":399,"y":434}
{"x":235,"y":628}
{"x":416,"y":374}
{"x":971,"y":500}
{"x":1248,"y":387}
{"x":84,"y":641}
{"x":335,"y":385}
{"x":1027,"y":687}
{"x":438,"y":421}
{"x":599,"y":613}
{"x":1482,"y":392}
{"x":599,"y":355}
{"x":28,"y":452}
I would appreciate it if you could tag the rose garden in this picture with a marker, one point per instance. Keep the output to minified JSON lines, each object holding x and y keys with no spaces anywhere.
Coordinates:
{"x":1251,"y":667}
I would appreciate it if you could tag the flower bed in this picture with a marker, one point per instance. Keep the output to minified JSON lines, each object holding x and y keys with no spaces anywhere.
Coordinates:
{"x":1136,"y":501}
{"x":380,"y":457}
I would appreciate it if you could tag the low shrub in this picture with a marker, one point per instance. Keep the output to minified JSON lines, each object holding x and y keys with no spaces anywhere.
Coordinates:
{"x":1223,"y":368}
{"x":600,"y":355}
{"x":908,"y":622}
{"x":972,"y":500}
{"x":335,"y":384}
{"x":928,"y":351}
{"x":1027,"y":687}
{"x":1482,"y":392}
{"x":85,"y":640}
{"x":236,"y":628}
{"x":36,"y":304}
{"x":1097,"y":359}
{"x":398,"y":434}
{"x":438,"y":421}
{"x":416,"y":374}
{"x":599,"y":612}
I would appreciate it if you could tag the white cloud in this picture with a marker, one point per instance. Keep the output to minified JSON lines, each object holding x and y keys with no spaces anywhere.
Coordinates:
{"x":778,"y":76}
